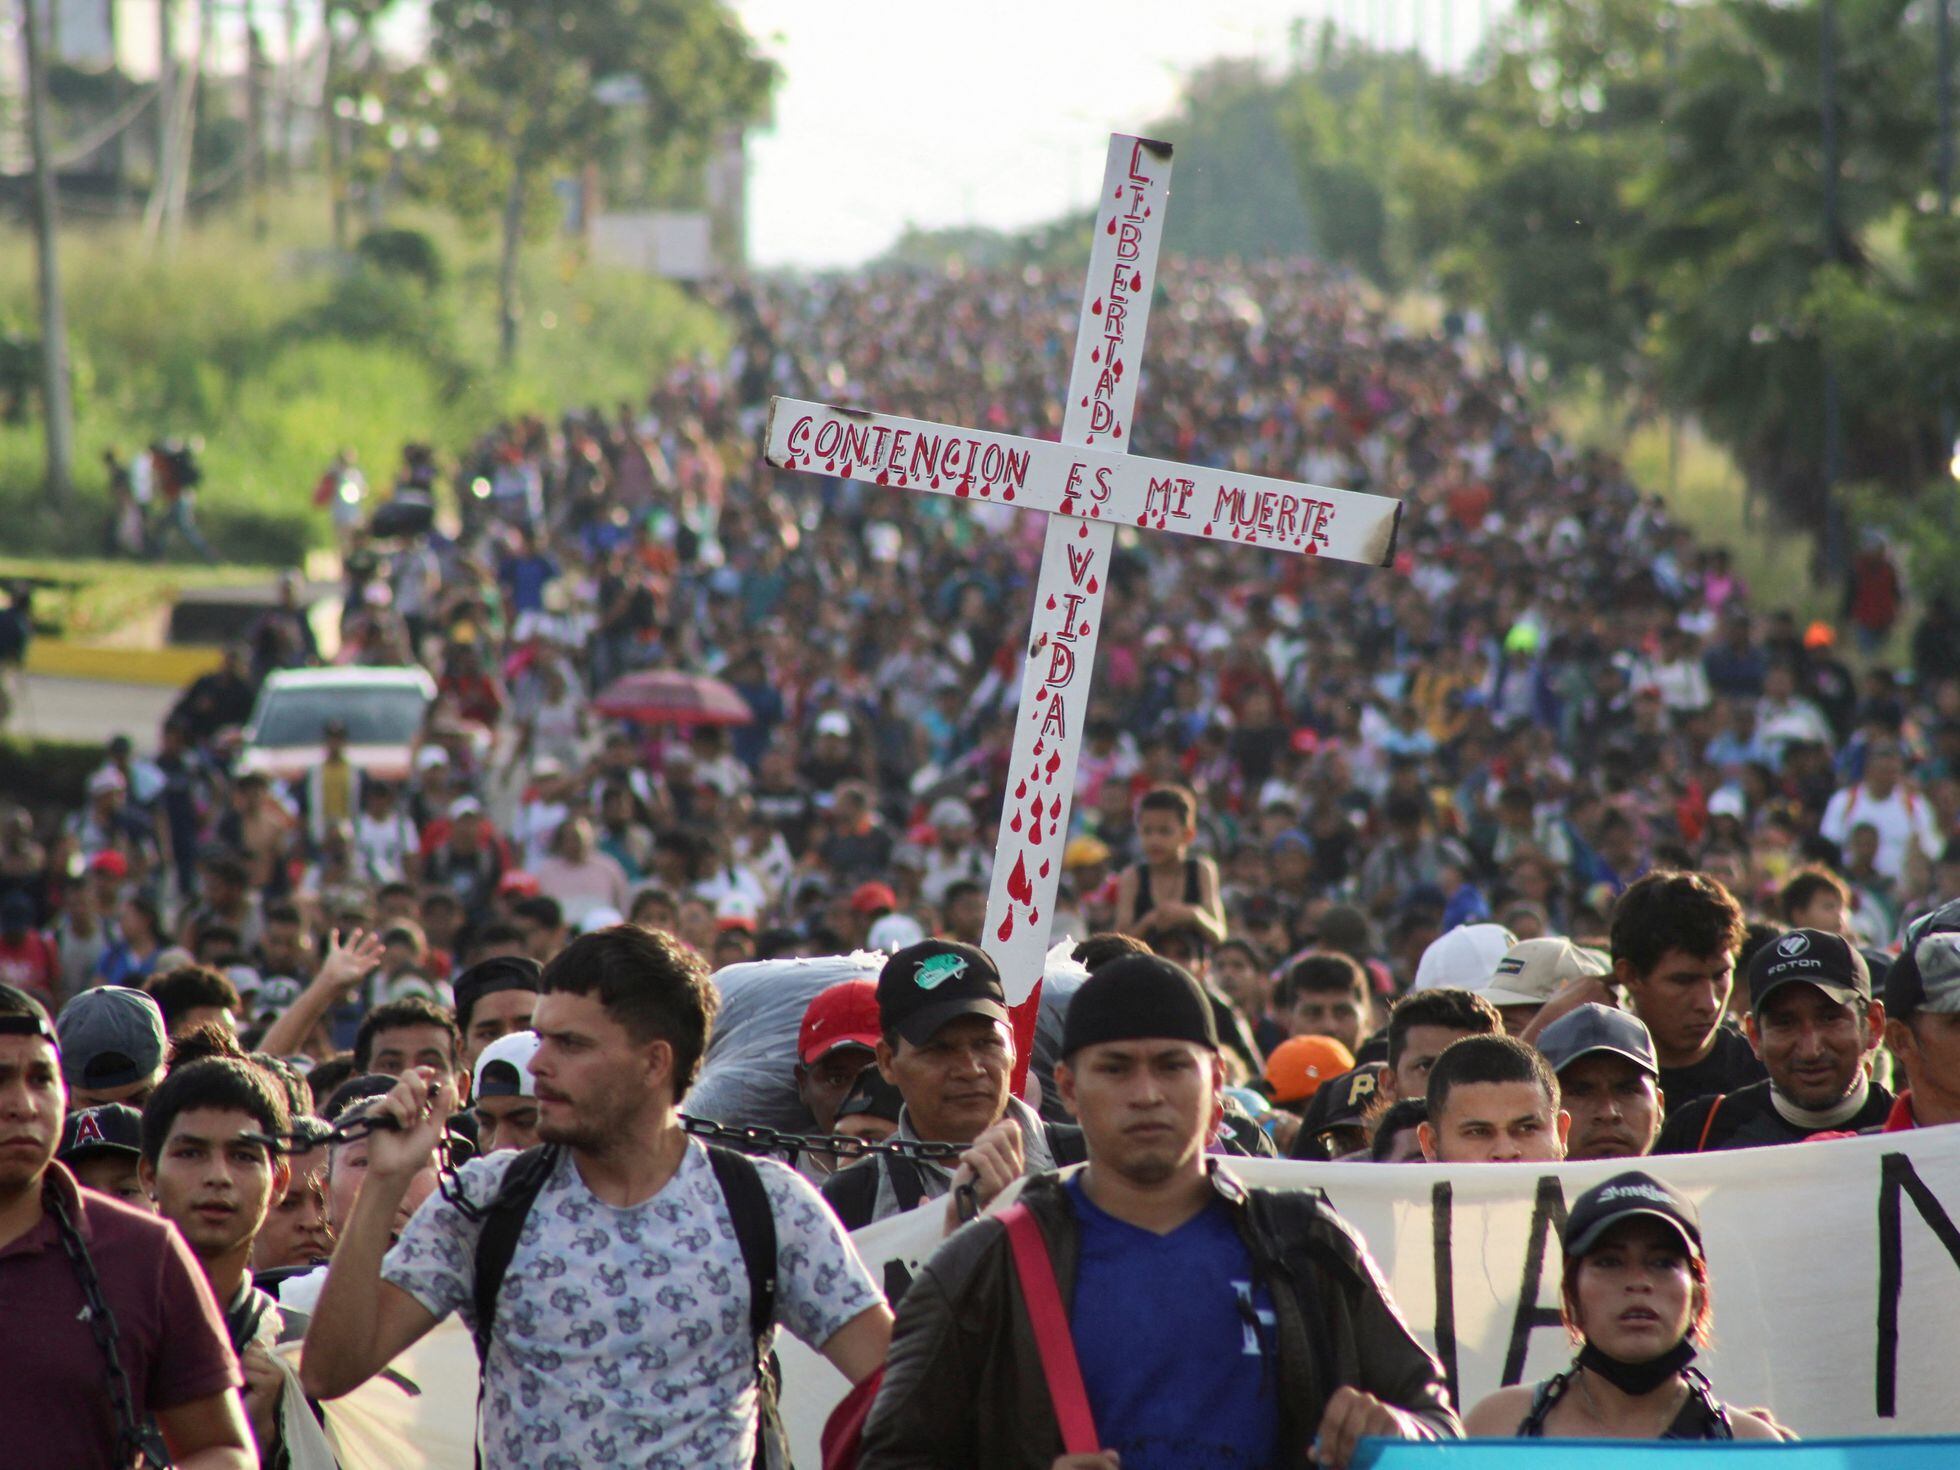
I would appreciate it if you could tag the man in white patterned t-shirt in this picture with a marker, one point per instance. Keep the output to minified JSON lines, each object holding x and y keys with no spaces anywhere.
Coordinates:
{"x":621,"y":1333}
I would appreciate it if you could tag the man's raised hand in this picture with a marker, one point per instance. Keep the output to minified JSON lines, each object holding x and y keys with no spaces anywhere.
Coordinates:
{"x":347,"y":965}
{"x":421,"y":1104}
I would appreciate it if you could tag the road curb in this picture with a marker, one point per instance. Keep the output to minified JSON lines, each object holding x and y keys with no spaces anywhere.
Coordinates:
{"x":168,"y":667}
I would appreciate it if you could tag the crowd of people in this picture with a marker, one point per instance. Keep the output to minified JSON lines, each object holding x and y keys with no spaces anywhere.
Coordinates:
{"x":1551,"y":842}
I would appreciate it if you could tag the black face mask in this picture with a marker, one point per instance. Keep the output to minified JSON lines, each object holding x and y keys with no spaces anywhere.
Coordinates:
{"x":1638,"y":1378}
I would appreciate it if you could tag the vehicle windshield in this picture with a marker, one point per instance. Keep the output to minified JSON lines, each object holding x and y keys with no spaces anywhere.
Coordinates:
{"x":385,"y":716}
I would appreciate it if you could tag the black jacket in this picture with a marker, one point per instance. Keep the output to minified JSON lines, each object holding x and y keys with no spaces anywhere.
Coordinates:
{"x":964,"y":1389}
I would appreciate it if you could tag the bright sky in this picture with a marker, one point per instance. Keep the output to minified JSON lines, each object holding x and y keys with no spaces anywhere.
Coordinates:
{"x":896,"y":112}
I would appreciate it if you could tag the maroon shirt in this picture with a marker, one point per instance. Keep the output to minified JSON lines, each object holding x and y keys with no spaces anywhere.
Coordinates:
{"x":54,"y":1395}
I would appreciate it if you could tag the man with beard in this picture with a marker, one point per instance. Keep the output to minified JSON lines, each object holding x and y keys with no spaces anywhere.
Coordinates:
{"x":628,"y":1275}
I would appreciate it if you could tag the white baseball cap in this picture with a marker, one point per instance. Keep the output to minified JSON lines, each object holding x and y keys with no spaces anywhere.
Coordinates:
{"x":1464,"y":958}
{"x":1533,"y":968}
{"x":503,"y":1068}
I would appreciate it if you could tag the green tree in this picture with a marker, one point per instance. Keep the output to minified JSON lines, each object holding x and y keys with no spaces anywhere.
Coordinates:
{"x":1731,"y":240}
{"x":521,"y":88}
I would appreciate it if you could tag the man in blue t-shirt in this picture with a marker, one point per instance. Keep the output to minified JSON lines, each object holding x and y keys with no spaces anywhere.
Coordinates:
{"x":1215,"y":1325}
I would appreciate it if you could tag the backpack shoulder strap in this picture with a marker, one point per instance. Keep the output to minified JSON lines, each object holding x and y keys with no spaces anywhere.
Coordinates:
{"x":755,"y":1231}
{"x":1708,"y":1123}
{"x":496,"y":1243}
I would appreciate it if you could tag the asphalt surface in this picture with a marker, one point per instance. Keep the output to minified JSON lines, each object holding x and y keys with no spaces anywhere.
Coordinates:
{"x":88,"y":709}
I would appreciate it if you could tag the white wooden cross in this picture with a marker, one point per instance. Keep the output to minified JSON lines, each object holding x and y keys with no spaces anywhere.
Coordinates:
{"x":1089,"y":486}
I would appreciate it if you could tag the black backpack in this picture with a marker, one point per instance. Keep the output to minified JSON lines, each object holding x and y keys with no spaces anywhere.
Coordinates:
{"x":755,"y":1234}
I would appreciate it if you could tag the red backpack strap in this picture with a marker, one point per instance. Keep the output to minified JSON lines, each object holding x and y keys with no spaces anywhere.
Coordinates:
{"x":1051,"y":1331}
{"x":1708,"y":1123}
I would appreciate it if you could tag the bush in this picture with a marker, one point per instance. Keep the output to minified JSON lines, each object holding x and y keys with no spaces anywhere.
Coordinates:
{"x":47,"y":775}
{"x":403,"y":252}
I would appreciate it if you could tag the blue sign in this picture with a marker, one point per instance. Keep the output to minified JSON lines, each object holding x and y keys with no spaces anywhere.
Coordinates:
{"x":1613,"y":1454}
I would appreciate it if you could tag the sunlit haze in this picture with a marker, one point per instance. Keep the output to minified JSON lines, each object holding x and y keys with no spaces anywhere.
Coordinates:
{"x":893,"y":113}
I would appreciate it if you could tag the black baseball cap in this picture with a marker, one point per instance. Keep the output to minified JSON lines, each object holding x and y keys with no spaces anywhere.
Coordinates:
{"x":1926,"y":975}
{"x":1625,"y":1197}
{"x":110,"y":1128}
{"x":1344,"y":1101}
{"x":925,"y":985}
{"x":485,"y":977}
{"x":1593,"y":1028}
{"x":1814,"y":957}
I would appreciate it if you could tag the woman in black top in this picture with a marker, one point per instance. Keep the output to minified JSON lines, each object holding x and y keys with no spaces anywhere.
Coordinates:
{"x":1636,"y":1302}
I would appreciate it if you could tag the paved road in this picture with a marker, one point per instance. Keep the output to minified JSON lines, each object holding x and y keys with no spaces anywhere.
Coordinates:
{"x":85,"y":709}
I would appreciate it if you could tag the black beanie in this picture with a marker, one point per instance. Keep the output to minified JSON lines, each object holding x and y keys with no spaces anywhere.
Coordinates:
{"x":1139,"y":997}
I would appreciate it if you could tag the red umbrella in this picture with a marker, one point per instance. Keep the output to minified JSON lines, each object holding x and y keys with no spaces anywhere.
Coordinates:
{"x":669,"y":697}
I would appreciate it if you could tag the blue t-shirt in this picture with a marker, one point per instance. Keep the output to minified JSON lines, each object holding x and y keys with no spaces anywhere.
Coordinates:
{"x":1176,"y":1341}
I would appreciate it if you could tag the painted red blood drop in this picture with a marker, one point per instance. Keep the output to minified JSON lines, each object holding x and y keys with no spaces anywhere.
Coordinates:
{"x":1051,"y":602}
{"x":1018,"y":887}
{"x":1095,"y":512}
{"x":1115,"y":366}
{"x":1008,"y":493}
{"x":1021,"y":791}
{"x":848,"y":466}
{"x":1034,"y":916}
{"x":883,"y":478}
{"x":1085,"y":627}
{"x":830,"y":467}
{"x":1112,"y":225}
{"x":1313,"y":549}
{"x":1095,"y":307}
{"x":1044,"y":867}
{"x":1092,"y":587}
{"x":1081,"y":531}
{"x":1143,"y":518}
{"x":1006,"y":930}
{"x":1054,"y":761}
{"x":1096,"y":355}
{"x":1136,"y":281}
{"x":1015,"y":825}
{"x":1207,"y":529}
{"x":1118,"y":431}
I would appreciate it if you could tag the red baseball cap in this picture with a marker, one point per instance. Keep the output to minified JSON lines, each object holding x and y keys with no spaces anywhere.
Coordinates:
{"x":845,"y":1014}
{"x":869,"y":898}
{"x":518,"y":881}
{"x":111,"y":862}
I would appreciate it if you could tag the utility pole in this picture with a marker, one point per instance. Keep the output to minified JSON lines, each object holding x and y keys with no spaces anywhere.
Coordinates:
{"x":1943,"y":24}
{"x":1835,"y":559}
{"x":57,"y":400}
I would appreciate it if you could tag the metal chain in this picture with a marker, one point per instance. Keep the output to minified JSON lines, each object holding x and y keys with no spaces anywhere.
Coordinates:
{"x":839,"y":1145}
{"x":750,"y":1136}
{"x":131,"y":1447}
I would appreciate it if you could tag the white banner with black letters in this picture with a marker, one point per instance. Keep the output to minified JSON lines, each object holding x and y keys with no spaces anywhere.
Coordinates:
{"x":1836,"y":1273}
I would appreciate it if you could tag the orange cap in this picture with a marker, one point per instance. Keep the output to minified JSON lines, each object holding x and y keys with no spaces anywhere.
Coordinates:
{"x":1819,"y":635}
{"x":1297,"y":1067}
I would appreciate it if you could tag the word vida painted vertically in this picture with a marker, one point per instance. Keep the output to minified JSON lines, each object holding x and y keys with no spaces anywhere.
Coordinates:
{"x":1088,"y":486}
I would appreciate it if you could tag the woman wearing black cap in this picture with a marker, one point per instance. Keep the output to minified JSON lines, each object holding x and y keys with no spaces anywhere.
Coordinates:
{"x":1636,"y":1301}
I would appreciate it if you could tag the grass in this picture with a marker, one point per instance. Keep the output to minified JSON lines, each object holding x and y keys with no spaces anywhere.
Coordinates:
{"x":1705,"y":491}
{"x":276,"y":353}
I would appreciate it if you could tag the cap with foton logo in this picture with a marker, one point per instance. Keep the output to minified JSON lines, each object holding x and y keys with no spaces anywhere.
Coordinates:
{"x":1814,"y":957}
